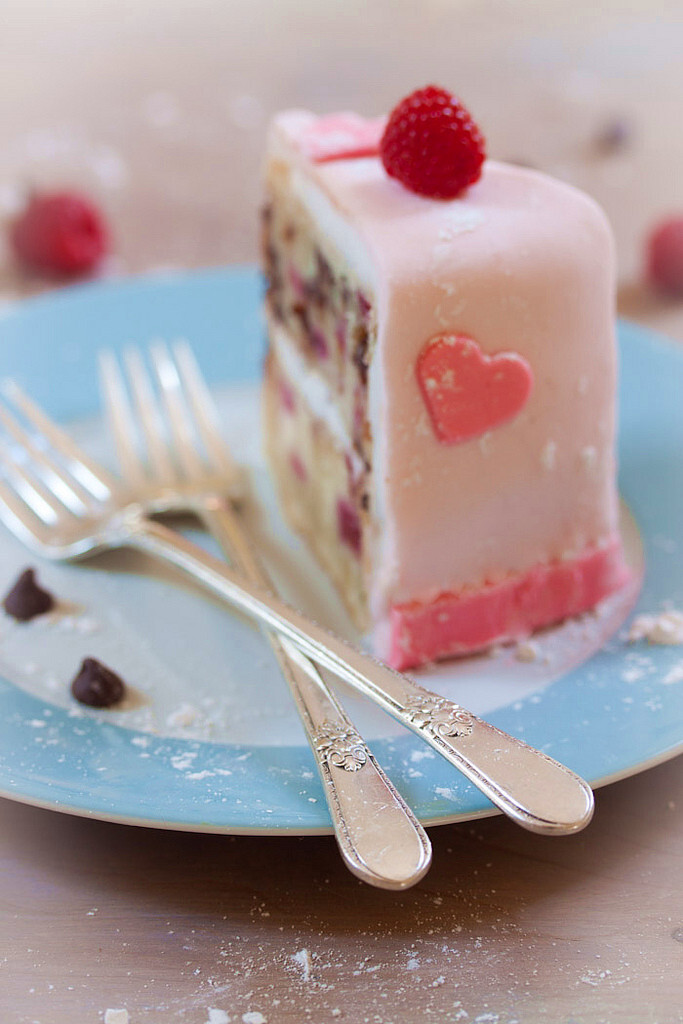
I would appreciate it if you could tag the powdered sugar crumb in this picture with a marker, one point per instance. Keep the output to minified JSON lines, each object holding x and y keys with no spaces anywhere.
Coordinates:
{"x":304,"y":962}
{"x":589,"y":457}
{"x":183,"y":716}
{"x":527,"y":651}
{"x":548,"y":455}
{"x":253,"y":1017}
{"x":181,"y":762}
{"x":116,"y":1016}
{"x":217,"y":1016}
{"x":664,"y":628}
{"x":674,"y":675}
{"x":420,"y":755}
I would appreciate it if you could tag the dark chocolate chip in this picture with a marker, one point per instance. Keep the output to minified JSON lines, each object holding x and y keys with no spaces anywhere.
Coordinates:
{"x":300,"y":311}
{"x":323,"y":271}
{"x":27,"y":599}
{"x":360,"y":351}
{"x":96,"y":685}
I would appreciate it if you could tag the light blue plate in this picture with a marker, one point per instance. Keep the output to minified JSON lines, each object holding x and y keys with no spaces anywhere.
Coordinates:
{"x":617,"y":713}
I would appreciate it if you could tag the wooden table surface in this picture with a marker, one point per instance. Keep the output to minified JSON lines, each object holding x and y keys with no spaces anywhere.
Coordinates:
{"x":158,"y":108}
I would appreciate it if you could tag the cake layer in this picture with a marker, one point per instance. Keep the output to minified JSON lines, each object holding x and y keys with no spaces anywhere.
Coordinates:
{"x":461,"y":623}
{"x":315,"y":296}
{"x":321,"y":482}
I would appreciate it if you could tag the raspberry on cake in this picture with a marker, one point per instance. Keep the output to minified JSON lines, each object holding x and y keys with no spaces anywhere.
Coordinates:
{"x":439,"y":396}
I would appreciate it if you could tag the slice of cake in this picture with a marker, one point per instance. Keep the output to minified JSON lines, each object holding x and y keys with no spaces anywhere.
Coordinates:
{"x":439,"y":389}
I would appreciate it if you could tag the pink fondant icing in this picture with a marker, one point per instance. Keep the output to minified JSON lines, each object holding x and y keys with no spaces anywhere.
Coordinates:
{"x":340,"y":136}
{"x":460,"y":623}
{"x":467,"y":392}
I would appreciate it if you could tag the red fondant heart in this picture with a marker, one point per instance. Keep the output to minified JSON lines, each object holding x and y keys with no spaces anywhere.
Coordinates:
{"x":467,"y":392}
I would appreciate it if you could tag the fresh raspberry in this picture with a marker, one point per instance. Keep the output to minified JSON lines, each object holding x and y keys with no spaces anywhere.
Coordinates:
{"x":665,"y":256}
{"x":432,"y":145}
{"x":59,"y":232}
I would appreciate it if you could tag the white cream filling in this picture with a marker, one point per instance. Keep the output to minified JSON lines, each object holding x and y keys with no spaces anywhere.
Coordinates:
{"x":329,"y":220}
{"x":332,"y":226}
{"x":314,"y":388}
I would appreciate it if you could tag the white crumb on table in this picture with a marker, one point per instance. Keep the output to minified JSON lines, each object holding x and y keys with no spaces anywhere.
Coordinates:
{"x":112,"y":1016}
{"x":217,"y":1016}
{"x":254,"y":1017}
{"x":304,"y":962}
{"x":664,"y":628}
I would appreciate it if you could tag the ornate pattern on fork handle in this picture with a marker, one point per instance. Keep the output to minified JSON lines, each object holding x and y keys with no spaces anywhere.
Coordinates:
{"x":442,"y":717}
{"x":340,"y":746}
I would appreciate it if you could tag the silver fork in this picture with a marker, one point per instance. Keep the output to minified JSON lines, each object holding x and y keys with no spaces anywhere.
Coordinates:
{"x":188,"y":467}
{"x":65,"y":507}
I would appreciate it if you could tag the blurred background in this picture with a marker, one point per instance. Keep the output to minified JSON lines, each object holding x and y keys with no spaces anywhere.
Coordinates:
{"x":157,"y":109}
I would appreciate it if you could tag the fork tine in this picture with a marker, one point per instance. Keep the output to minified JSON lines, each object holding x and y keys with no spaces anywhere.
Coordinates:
{"x":120,"y":415}
{"x":29,"y":489}
{"x":177,"y":412}
{"x":19,"y":519}
{"x":203,"y":409}
{"x":91,"y":476}
{"x":160,"y":461}
{"x":63,"y":487}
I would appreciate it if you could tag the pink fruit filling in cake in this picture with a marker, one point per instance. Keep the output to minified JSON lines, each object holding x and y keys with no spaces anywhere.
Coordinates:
{"x":439,"y":395}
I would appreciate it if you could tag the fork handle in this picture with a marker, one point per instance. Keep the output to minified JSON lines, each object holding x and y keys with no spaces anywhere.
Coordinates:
{"x":534,"y":790}
{"x":378,"y":835}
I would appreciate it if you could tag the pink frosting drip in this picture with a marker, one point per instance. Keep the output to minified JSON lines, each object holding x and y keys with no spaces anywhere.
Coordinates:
{"x":461,"y":623}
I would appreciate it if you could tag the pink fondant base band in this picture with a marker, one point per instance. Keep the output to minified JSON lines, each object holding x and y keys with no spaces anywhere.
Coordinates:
{"x":466,"y":622}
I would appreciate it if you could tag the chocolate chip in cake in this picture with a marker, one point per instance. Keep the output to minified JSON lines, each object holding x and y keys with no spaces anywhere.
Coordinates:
{"x":27,"y":599}
{"x":364,"y":305}
{"x":96,"y":685}
{"x":267,"y":214}
{"x":301,"y":313}
{"x":360,"y":351}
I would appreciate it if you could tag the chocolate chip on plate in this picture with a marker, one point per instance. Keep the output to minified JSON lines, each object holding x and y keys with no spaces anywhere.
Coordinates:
{"x":96,"y":685}
{"x":27,"y":598}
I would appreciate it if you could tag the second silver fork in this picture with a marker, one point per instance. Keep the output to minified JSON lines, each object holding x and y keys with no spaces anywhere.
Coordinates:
{"x":380,"y":839}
